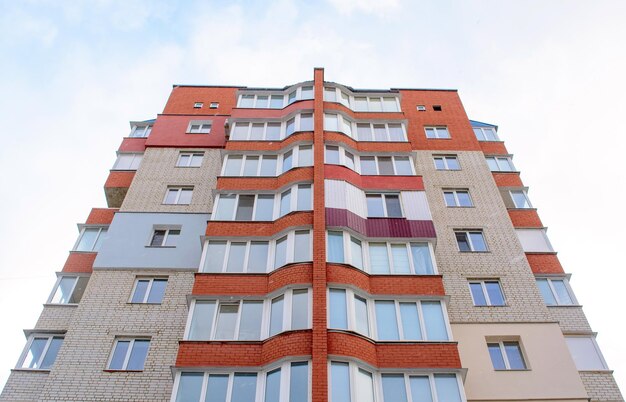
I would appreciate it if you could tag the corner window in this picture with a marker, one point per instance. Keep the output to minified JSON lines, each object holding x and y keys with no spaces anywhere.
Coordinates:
{"x":178,"y":195}
{"x":520,"y":199}
{"x":470,"y":240}
{"x":437,"y":132}
{"x":485,"y":133}
{"x":506,"y":355}
{"x":149,"y":290}
{"x":486,"y":293}
{"x":140,"y":131}
{"x":199,"y":127}
{"x":189,"y":159}
{"x":555,"y":291}
{"x":457,"y":198}
{"x":68,"y":289}
{"x":164,"y":237}
{"x":127,"y":161}
{"x":500,"y":164}
{"x":446,"y":162}
{"x":586,"y":353}
{"x":129,"y":354}
{"x":41,"y":352}
{"x":383,"y":206}
{"x":90,"y":239}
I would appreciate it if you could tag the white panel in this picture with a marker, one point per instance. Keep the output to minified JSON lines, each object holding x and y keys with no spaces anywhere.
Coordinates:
{"x":335,"y":194}
{"x":355,"y":200}
{"x":534,"y":240}
{"x":415,"y":205}
{"x":585,"y":353}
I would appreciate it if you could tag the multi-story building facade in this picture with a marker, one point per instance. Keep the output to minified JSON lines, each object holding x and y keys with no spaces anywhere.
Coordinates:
{"x":312,"y":243}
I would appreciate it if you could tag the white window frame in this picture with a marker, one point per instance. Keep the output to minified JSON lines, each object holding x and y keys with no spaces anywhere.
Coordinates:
{"x":525,"y":194}
{"x":348,"y":260}
{"x":136,"y":158}
{"x":297,"y":117}
{"x":271,"y":251}
{"x":128,"y":352}
{"x":264,"y":330}
{"x":455,"y":192}
{"x":469,"y":240}
{"x":555,"y":294}
{"x":31,"y":338}
{"x":140,"y":131}
{"x":596,"y":348}
{"x":384,"y":202}
{"x":214,"y":105}
{"x":179,"y":190}
{"x":444,"y":159}
{"x":167,"y":230}
{"x":198,"y":105}
{"x":505,"y":357}
{"x":295,"y":155}
{"x":483,"y":130}
{"x":150,"y":280}
{"x":421,"y":108}
{"x":83,"y":229}
{"x":393,"y":162}
{"x":485,"y":293}
{"x":201,"y":127}
{"x":497,"y":160}
{"x":355,"y":132}
{"x":441,"y":132}
{"x":60,"y":276}
{"x":286,"y":95}
{"x":191,"y":156}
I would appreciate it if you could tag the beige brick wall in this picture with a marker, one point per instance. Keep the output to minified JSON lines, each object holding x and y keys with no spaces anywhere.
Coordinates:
{"x":56,"y":317}
{"x":601,"y":386}
{"x":24,"y":385}
{"x":103,"y":314}
{"x":570,"y":318}
{"x":505,"y":259}
{"x":158,"y":171}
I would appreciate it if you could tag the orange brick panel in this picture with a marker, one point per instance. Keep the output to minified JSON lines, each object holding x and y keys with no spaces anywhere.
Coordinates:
{"x":431,"y":285}
{"x":252,"y":284}
{"x":182,"y":99}
{"x":79,"y":262}
{"x":101,"y":216}
{"x":265,"y":183}
{"x":366,"y":146}
{"x":388,"y":355}
{"x":273,"y":113}
{"x":304,"y":136}
{"x":119,"y":179}
{"x":219,"y":353}
{"x":248,"y":229}
{"x":133,"y":144}
{"x":544,"y":264}
{"x":508,"y":179}
{"x":374,"y":182}
{"x":493,"y":148}
{"x":525,"y":218}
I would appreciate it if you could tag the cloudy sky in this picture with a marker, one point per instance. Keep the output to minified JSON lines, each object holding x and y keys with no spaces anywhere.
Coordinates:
{"x":550,"y":73}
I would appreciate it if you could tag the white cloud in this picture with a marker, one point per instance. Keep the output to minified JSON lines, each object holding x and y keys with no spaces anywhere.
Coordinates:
{"x":365,"y":6}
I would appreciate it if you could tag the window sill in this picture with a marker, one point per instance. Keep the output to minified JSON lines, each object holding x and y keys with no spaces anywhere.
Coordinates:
{"x":475,"y":252}
{"x":460,"y":206}
{"x":564,"y":305}
{"x":198,"y":133}
{"x":60,"y":304}
{"x":449,"y":138}
{"x":160,"y":246}
{"x":506,"y":171}
{"x":491,"y":305}
{"x":122,"y":371}
{"x":163,"y":203}
{"x":490,"y":141}
{"x":143,"y":304}
{"x":508,"y":370}
{"x":33,"y":370}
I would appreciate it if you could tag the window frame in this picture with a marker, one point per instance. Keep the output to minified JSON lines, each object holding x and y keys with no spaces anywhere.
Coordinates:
{"x":57,"y":283}
{"x":132,"y":340}
{"x":444,"y":159}
{"x":102,"y":229}
{"x":166,"y":235}
{"x":283,"y":124}
{"x":350,"y":128}
{"x":454,"y":192}
{"x":436,"y":130}
{"x":201,"y":129}
{"x":483,"y":130}
{"x":150,"y":280}
{"x":280,"y":158}
{"x":497,"y":159}
{"x":179,"y":190}
{"x":483,"y":287}
{"x":198,"y":105}
{"x":383,"y":197}
{"x":139,"y":130}
{"x":191,"y":155}
{"x":135,"y":156}
{"x":555,"y":294}
{"x":469,"y":241}
{"x":505,"y":356}
{"x":525,"y":195}
{"x":214,"y":105}
{"x":31,"y":338}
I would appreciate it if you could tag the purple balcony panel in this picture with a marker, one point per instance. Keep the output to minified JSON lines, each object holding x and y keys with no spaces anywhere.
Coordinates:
{"x":379,"y":227}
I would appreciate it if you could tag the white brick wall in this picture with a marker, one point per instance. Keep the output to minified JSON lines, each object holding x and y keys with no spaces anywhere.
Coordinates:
{"x":601,"y":386}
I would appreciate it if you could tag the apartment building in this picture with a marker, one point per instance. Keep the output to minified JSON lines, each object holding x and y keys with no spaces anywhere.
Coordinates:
{"x":316,"y":243}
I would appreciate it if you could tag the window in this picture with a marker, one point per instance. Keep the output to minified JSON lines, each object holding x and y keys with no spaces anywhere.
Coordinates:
{"x":68,"y":289}
{"x":390,"y":132}
{"x":288,"y":382}
{"x":41,"y":352}
{"x":330,"y":94}
{"x":250,"y":165}
{"x":199,"y":127}
{"x":437,"y":132}
{"x":383,"y":205}
{"x":351,"y":383}
{"x":129,"y":354}
{"x":375,"y":104}
{"x":253,"y":256}
{"x":127,"y":161}
{"x":149,"y":290}
{"x":555,"y":291}
{"x":90,"y":239}
{"x":198,"y":105}
{"x":586,"y":353}
{"x":386,"y":165}
{"x":260,"y":207}
{"x":437,"y":108}
{"x":486,"y":293}
{"x":506,"y":355}
{"x":214,"y":105}
{"x":470,"y":240}
{"x":485,"y":133}
{"x":457,"y":198}
{"x":244,"y":320}
{"x":520,"y":199}
{"x":190,"y":159}
{"x":332,"y":155}
{"x":534,"y":240}
{"x":421,"y":108}
{"x":140,"y":130}
{"x":500,"y":164}
{"x":449,"y":162}
{"x":272,"y":130}
{"x":164,"y":237}
{"x":274,"y":100}
{"x":178,"y":195}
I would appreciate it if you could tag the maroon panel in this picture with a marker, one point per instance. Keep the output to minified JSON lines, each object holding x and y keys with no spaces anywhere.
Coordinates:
{"x":133,"y":145}
{"x":379,"y":227}
{"x":171,"y":131}
{"x":339,"y":172}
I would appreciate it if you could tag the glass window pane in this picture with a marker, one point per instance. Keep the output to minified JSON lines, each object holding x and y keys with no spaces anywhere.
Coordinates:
{"x":291,"y":126}
{"x":276,"y":315}
{"x":514,"y":355}
{"x":420,"y":389}
{"x":236,"y":255}
{"x":240,"y":132}
{"x":380,"y":132}
{"x":262,"y":101}
{"x":88,"y":239}
{"x":400,"y":259}
{"x":34,"y":353}
{"x":479,"y":134}
{"x":546,"y":292}
{"x":495,"y":293}
{"x":478,"y":241}
{"x":272,"y":132}
{"x":119,"y":355}
{"x":464,"y":199}
{"x":330,"y":95}
{"x":442,"y":132}
{"x":285,"y":203}
{"x":233,"y":165}
{"x":256,"y":134}
{"x":250,"y":167}
{"x":332,"y":155}
{"x":385,"y":165}
{"x":157,"y":238}
{"x":264,"y":207}
{"x":448,"y":196}
{"x":157,"y":291}
{"x":305,"y":155}
{"x":292,"y":97}
{"x":519,"y":199}
{"x":272,"y":386}
{"x":364,"y":132}
{"x":306,"y":93}
{"x":304,"y":197}
{"x":257,"y":260}
{"x":339,"y":382}
{"x":403,"y":166}
{"x":51,"y":353}
{"x":505,"y":164}
{"x":276,"y":102}
{"x":287,"y":161}
{"x":461,"y":240}
{"x":360,"y":104}
{"x":337,"y":308}
{"x":64,"y":290}
{"x":477,"y":294}
{"x":364,"y":386}
{"x":189,"y":387}
{"x":390,"y":105}
{"x":226,"y":321}
{"x":172,"y":237}
{"x":362,"y":322}
{"x":246,"y":101}
{"x":214,"y":260}
{"x":496,"y":356}
{"x":335,"y":247}
{"x":302,"y":246}
{"x":379,"y":259}
{"x":375,"y":105}
{"x":349,"y":160}
{"x":79,"y":289}
{"x":250,"y":322}
{"x":368,"y":165}
{"x":330,"y":122}
{"x":447,"y":388}
{"x":422,"y":262}
{"x":386,"y":322}
{"x":430,"y":132}
{"x":202,"y":320}
{"x":440,"y":164}
{"x":300,"y":309}
{"x":280,"y":257}
{"x":394,"y":388}
{"x":395,"y":132}
{"x":225,"y":207}
{"x":374,"y":205}
{"x":299,"y":382}
{"x":345,"y":99}
{"x":453,"y":163}
{"x":216,"y":388}
{"x":244,"y":387}
{"x":393,"y":206}
{"x":410,"y":321}
{"x":306,"y":122}
{"x":185,"y":196}
{"x":493,"y":166}
{"x":138,"y":355}
{"x":356,"y":252}
{"x":561,"y":292}
{"x":434,"y":321}
{"x":245,"y":207}
{"x":268,"y":165}
{"x":346,"y":126}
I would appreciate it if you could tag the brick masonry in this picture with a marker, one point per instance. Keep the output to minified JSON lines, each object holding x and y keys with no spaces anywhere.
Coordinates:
{"x":601,"y":386}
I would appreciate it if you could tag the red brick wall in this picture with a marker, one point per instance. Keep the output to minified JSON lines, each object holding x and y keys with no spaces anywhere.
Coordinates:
{"x":525,"y":218}
{"x":374,"y":182}
{"x":171,"y":131}
{"x":101,"y":216}
{"x":247,"y":229}
{"x":304,"y":136}
{"x":119,"y":179}
{"x":508,"y":179}
{"x":493,"y":148}
{"x":182,"y":98}
{"x":79,"y":262}
{"x":544,"y":264}
{"x":266,"y":183}
{"x":133,"y":144}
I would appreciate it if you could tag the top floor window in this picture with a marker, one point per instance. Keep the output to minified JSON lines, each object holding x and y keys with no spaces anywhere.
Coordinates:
{"x":362,"y":103}
{"x":485,"y":133}
{"x":90,"y":239}
{"x":274,"y":100}
{"x":140,"y":130}
{"x":199,"y":127}
{"x":500,"y":164}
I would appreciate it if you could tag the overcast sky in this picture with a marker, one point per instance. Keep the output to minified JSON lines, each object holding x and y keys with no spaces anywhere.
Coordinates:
{"x":551,"y":74}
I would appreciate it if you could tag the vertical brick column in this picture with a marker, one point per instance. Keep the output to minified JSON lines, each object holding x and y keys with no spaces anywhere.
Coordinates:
{"x":320,"y":345}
